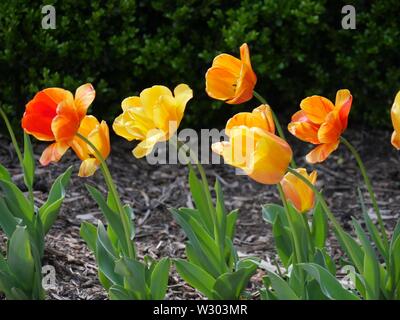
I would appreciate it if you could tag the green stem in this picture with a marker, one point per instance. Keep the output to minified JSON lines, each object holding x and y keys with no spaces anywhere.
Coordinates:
{"x":17,"y":150}
{"x":113,"y":189}
{"x":178,"y":144}
{"x":297,"y":249}
{"x":368,"y":185}
{"x":278,"y":126}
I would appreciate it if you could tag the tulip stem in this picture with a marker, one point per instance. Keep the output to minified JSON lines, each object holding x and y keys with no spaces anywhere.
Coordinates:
{"x":369,"y":186}
{"x":339,"y":230}
{"x":113,"y":189}
{"x":296,"y":244}
{"x":278,"y":126}
{"x":18,"y":152}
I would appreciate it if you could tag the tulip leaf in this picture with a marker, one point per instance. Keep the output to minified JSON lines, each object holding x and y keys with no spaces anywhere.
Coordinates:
{"x":88,"y":232}
{"x":20,"y":258}
{"x":112,"y":217}
{"x":49,"y":210}
{"x":370,"y":271}
{"x":283,"y":241}
{"x":281,"y":288}
{"x":230,"y":286}
{"x":117,"y":292}
{"x":159,"y":279}
{"x":196,"y":277}
{"x":8,"y":222}
{"x":271,"y":211}
{"x":330,"y":286}
{"x":28,"y":162}
{"x":16,"y":202}
{"x":319,"y":229}
{"x":372,"y":229}
{"x":231,"y":224}
{"x":4,"y":174}
{"x":200,"y":200}
{"x":220,"y":214}
{"x":134,"y":276}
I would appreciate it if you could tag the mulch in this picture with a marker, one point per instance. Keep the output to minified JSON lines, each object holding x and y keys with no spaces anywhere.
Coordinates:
{"x":152,"y":189}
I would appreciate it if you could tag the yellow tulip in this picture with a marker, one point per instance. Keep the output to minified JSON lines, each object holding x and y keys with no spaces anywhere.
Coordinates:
{"x":98,"y":134}
{"x":297,"y":192}
{"x":254,"y":147}
{"x":395,"y":114}
{"x":152,"y":117}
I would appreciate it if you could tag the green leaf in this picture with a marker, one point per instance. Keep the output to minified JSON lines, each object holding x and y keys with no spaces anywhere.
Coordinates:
{"x":16,"y":202}
{"x":281,"y":288}
{"x":319,"y":229}
{"x":271,"y":211}
{"x":372,"y":229}
{"x":231,"y":224}
{"x":106,"y":256}
{"x":20,"y":258}
{"x":8,"y":222}
{"x":200,"y":200}
{"x":28,"y":162}
{"x":203,"y":245}
{"x":134,"y":275}
{"x":4,"y":174}
{"x":196,"y":277}
{"x":159,"y":279}
{"x":352,"y":249}
{"x":230,"y":286}
{"x":220,"y":216}
{"x":283,"y":241}
{"x":371,"y":271}
{"x":49,"y":210}
{"x":117,"y":292}
{"x":112,"y":217}
{"x":88,"y":232}
{"x":330,"y":286}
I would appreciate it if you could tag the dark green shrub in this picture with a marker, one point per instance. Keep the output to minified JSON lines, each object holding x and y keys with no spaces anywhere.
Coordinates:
{"x":298,"y":48}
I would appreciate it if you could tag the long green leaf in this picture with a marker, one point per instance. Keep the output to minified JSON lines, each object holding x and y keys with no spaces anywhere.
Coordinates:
{"x":159,"y":279}
{"x":281,"y":288}
{"x":28,"y":162}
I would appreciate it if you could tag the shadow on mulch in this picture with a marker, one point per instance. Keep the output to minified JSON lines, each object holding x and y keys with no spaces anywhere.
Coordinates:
{"x":152,"y":189}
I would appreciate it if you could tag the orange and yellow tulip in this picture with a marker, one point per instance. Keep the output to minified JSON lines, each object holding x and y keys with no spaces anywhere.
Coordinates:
{"x":254,"y":147}
{"x":297,"y":192}
{"x":395,"y":114}
{"x":321,"y":122}
{"x":54,"y":114}
{"x":98,"y":134}
{"x":230,"y":79}
{"x":152,"y":117}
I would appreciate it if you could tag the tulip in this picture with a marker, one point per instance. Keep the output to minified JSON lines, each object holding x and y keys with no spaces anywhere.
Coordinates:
{"x":152,"y":117}
{"x":320,"y":122}
{"x":54,"y":114}
{"x":297,"y":192}
{"x":230,"y":79}
{"x":395,"y":114}
{"x":254,"y":147}
{"x":98,"y":134}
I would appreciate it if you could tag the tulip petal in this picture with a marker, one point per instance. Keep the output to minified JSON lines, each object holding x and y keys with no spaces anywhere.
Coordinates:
{"x":88,"y":167}
{"x":316,"y":108}
{"x":150,"y":97}
{"x":245,"y":57}
{"x":395,"y":115}
{"x":66,"y":123}
{"x":53,"y":153}
{"x":331,"y":129}
{"x":343,"y":103}
{"x":302,"y":128}
{"x":260,"y":117}
{"x":84,"y":97}
{"x":183,"y":94}
{"x":321,"y":152}
{"x":221,"y":83}
{"x":131,"y":102}
{"x":229,"y":63}
{"x":145,"y":147}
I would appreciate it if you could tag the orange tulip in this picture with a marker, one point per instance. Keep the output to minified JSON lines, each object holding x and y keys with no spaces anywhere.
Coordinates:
{"x":320,"y":122}
{"x":98,"y":134}
{"x":253,"y":146}
{"x":395,"y":114}
{"x":54,"y":114}
{"x":297,"y":192}
{"x":230,"y":79}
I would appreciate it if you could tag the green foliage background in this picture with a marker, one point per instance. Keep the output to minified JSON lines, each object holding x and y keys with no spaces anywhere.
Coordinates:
{"x":298,"y":48}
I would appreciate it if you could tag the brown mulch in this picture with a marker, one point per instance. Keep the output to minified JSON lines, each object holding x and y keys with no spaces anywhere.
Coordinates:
{"x":152,"y":189}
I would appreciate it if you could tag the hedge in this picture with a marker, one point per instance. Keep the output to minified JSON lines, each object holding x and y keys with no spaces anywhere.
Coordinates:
{"x":298,"y":48}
